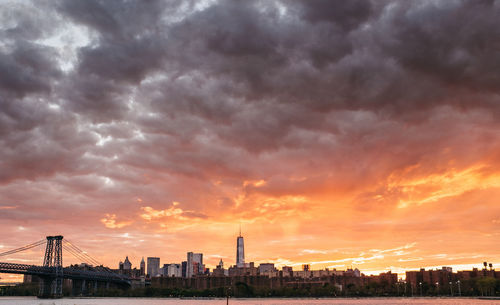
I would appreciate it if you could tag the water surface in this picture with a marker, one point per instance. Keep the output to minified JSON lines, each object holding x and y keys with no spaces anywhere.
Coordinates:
{"x":154,"y":301}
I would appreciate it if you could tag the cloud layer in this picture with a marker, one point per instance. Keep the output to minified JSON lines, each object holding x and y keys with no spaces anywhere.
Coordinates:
{"x":326,"y":128}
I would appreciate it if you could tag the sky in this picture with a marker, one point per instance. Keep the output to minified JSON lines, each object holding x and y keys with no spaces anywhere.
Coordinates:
{"x":336,"y":133}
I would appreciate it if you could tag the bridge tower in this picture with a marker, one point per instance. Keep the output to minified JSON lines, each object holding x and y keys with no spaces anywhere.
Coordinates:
{"x":51,"y":286}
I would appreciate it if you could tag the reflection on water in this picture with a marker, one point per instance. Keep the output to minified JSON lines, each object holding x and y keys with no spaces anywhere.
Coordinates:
{"x":150,"y":301}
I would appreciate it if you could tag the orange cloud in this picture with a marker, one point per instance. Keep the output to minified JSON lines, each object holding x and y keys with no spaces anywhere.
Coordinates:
{"x":152,"y":214}
{"x":111,"y":222}
{"x":418,"y":191}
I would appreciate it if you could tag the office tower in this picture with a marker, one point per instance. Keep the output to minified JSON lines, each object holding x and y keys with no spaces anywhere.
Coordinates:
{"x":198,"y":258}
{"x":189,"y":266}
{"x":194,"y":264}
{"x":240,"y":252}
{"x":143,"y":267}
{"x":173,"y":270}
{"x":184,"y":269}
{"x":153,"y":266}
{"x":196,"y":268}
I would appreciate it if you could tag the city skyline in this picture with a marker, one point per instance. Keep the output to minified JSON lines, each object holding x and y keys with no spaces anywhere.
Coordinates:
{"x":186,"y":268}
{"x":246,"y":279}
{"x":240,"y":263}
{"x":347,"y":133}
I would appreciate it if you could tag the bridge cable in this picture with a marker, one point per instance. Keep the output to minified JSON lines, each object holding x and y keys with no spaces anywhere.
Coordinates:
{"x":79,"y":257}
{"x":83,"y":253}
{"x":98,"y":265}
{"x":94,"y":261}
{"x":24,"y":248}
{"x":86,"y":258}
{"x":83,"y":259}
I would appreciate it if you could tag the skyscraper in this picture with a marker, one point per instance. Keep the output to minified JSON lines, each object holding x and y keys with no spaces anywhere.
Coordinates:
{"x":240,"y":252}
{"x":184,"y":268}
{"x":194,"y":264}
{"x":153,"y":266}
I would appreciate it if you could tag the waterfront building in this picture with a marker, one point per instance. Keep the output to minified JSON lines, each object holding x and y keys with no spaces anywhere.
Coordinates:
{"x":172,"y":270}
{"x":287,"y":271}
{"x":219,"y":270}
{"x":430,"y":277}
{"x":143,"y":267}
{"x":354,"y":272}
{"x":153,"y":266}
{"x":127,"y":265}
{"x":247,"y":269}
{"x":267,"y":268}
{"x":194,"y":264}
{"x":184,"y":269}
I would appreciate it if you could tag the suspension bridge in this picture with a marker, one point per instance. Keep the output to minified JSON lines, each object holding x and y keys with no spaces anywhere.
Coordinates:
{"x":85,"y":278}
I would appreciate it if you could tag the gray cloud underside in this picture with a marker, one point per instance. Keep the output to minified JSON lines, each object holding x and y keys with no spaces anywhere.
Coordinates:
{"x":188,"y":93}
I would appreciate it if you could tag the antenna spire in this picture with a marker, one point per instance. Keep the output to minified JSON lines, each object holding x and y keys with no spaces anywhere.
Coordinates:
{"x":240,"y":229}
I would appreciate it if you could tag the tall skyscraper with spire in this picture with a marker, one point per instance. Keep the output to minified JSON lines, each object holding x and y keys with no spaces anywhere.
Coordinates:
{"x":240,"y":251}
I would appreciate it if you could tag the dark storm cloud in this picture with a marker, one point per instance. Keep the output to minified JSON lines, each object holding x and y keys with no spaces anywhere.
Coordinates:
{"x":234,"y":91}
{"x":397,"y":58}
{"x":252,"y":46}
{"x":346,"y":14}
{"x":25,"y":65}
{"x":49,"y":145}
{"x":27,"y":68}
{"x":128,"y":46}
{"x":455,"y":42}
{"x":403,"y":57}
{"x":117,"y":20}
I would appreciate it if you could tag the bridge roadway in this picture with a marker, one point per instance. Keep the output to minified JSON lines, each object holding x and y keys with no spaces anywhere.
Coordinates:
{"x":68,"y":273}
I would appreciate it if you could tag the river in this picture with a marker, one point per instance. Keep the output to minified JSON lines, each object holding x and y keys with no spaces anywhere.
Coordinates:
{"x":154,"y":301}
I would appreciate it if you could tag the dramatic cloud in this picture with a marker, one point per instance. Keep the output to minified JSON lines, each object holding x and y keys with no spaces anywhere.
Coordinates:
{"x":336,"y":133}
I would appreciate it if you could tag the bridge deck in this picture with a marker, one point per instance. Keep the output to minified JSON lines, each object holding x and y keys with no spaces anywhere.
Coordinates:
{"x":68,"y":273}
